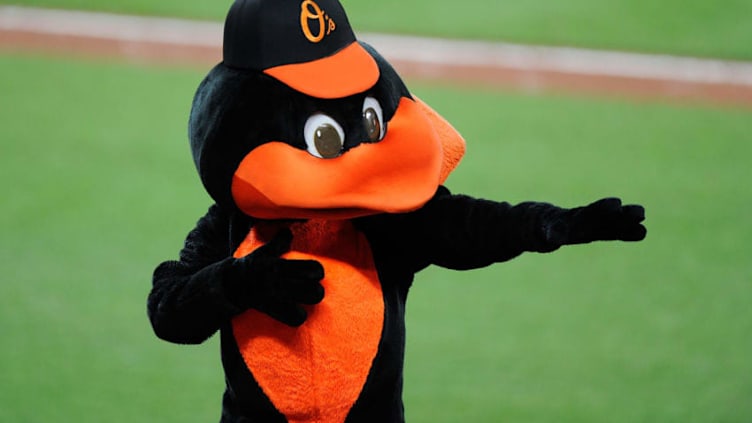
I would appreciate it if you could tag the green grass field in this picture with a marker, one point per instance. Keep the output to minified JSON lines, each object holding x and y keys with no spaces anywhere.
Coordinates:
{"x":721,"y":28}
{"x":99,"y":187}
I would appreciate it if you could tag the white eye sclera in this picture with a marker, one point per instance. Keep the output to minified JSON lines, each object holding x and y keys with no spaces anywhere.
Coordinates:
{"x":324,"y":137}
{"x":373,"y":120}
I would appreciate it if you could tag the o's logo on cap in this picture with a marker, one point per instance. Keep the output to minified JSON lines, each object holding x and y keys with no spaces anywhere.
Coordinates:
{"x":310,"y":11}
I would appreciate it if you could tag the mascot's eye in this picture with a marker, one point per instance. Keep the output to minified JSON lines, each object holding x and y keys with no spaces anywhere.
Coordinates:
{"x":324,"y":136}
{"x":373,"y":119}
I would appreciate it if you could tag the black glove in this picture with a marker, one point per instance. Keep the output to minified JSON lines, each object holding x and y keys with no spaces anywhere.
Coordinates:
{"x":275,"y":286}
{"x":604,"y":220}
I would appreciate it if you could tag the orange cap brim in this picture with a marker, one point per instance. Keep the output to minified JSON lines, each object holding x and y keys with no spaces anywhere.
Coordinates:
{"x":350,"y":71}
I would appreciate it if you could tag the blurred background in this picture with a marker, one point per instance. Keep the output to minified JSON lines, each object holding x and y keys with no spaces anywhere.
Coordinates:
{"x":99,"y":187}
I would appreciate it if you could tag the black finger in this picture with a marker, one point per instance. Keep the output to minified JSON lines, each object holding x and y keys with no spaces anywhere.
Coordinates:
{"x":302,"y":291}
{"x":605,"y":205}
{"x":636,"y":213}
{"x":279,"y":245}
{"x":634,"y":232}
{"x":285,"y":312}
{"x":304,"y":269}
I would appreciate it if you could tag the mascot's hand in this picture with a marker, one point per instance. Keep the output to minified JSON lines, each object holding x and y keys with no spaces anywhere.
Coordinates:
{"x":277,"y":286}
{"x":604,"y":220}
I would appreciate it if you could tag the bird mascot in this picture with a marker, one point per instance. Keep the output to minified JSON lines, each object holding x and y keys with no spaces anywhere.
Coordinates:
{"x":327,"y":180}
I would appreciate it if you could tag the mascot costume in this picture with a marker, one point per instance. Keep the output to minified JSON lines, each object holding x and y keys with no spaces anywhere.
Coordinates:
{"x":327,"y":180}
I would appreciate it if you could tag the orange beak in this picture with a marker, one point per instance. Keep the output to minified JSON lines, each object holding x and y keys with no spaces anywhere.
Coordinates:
{"x":398,"y":174}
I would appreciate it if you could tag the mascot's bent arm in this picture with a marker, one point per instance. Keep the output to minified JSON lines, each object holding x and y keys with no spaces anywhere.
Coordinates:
{"x":189,"y":300}
{"x":193,"y":297}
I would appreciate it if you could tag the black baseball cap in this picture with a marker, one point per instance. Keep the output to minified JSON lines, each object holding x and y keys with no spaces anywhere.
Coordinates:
{"x":306,"y":44}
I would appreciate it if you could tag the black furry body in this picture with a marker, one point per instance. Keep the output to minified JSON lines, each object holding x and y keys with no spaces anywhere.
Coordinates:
{"x":198,"y":295}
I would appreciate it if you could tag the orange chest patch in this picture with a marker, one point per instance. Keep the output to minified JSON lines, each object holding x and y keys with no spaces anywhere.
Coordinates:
{"x":315,"y":373}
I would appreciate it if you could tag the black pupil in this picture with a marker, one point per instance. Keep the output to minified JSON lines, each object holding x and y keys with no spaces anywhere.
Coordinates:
{"x":373,"y":126}
{"x":328,"y":142}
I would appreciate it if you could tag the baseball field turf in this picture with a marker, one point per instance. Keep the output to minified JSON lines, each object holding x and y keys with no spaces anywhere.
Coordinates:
{"x":99,"y":187}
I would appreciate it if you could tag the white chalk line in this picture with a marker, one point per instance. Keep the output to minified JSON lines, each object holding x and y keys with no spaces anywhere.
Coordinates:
{"x":418,"y":50}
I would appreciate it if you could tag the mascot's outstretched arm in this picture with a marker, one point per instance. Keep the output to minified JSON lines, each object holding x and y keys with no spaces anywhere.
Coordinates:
{"x":193,"y":297}
{"x":461,"y":232}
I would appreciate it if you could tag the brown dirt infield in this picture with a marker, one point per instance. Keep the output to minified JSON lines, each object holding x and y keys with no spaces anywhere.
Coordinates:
{"x":724,"y":83}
